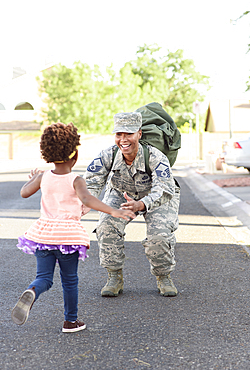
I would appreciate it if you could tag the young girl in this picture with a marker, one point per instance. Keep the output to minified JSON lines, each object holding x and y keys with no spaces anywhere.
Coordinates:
{"x":58,"y":234}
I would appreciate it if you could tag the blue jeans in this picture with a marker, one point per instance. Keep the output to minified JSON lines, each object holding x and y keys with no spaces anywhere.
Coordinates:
{"x":46,"y":261}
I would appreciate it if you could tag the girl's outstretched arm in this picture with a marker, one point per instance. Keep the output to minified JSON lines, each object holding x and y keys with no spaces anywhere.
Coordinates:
{"x":33,"y":185}
{"x":94,"y":203}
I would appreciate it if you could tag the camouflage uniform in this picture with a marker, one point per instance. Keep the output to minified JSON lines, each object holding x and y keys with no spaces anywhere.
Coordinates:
{"x":160,"y":194}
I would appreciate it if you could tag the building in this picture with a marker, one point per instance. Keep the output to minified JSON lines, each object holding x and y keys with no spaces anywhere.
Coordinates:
{"x":228,"y":116}
{"x":20,"y":108}
{"x":20,"y":103}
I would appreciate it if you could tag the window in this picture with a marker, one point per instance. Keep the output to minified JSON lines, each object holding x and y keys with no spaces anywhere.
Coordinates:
{"x":24,"y":106}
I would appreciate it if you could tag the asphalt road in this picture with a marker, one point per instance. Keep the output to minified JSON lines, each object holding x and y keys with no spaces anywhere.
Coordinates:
{"x":205,"y":327}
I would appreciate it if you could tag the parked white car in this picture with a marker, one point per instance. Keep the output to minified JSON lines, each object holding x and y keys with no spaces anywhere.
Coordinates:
{"x":237,"y":153}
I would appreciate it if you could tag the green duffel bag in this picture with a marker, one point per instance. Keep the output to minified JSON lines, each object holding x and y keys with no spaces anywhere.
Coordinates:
{"x":160,"y":130}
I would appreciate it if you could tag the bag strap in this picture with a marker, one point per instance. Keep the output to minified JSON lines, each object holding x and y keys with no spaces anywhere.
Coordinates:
{"x":113,"y":156}
{"x":146,"y":157}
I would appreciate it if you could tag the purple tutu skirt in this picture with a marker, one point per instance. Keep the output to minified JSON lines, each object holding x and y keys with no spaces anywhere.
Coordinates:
{"x":30,"y":247}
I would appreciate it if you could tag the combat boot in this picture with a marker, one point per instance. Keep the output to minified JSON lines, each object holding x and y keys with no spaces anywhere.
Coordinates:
{"x":166,"y":286}
{"x":114,"y":284}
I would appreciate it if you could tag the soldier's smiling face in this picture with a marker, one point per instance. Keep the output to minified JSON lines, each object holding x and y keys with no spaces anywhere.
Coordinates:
{"x":128,"y":143}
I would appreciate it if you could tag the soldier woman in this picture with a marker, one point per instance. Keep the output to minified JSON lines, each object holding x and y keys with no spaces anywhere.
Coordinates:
{"x":130,"y":187}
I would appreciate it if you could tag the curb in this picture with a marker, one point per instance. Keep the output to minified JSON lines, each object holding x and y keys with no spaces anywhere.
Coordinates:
{"x":231,"y":212}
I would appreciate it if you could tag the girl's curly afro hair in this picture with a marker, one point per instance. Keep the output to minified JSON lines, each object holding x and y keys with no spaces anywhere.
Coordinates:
{"x":58,"y":141}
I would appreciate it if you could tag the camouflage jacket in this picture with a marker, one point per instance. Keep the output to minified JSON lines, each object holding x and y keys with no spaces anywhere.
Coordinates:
{"x":152,"y":191}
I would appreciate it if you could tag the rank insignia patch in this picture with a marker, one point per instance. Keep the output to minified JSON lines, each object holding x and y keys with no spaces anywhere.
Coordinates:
{"x":95,"y":166}
{"x":162,"y":170}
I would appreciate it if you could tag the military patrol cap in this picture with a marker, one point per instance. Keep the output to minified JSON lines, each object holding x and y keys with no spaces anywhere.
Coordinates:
{"x":127,"y":122}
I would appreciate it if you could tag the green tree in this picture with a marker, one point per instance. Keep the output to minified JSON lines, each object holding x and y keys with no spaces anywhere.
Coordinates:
{"x":128,"y":90}
{"x":170,"y":80}
{"x":236,"y":20}
{"x":55,"y":88}
{"x":80,"y":95}
{"x":90,"y":99}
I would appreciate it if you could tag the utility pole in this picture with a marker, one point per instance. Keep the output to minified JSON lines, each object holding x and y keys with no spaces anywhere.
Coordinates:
{"x":196,"y":110}
{"x":230,"y":121}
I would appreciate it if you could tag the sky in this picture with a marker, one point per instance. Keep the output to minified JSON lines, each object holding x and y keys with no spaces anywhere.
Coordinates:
{"x":106,"y":32}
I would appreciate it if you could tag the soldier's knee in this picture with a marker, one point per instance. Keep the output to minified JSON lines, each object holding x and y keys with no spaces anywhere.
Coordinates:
{"x":161,"y":239}
{"x":109,"y":229}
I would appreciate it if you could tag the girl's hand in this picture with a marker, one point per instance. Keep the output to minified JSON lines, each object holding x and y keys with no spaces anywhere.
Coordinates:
{"x":132,"y":204}
{"x":33,"y":185}
{"x":120,"y":213}
{"x":35,"y":172}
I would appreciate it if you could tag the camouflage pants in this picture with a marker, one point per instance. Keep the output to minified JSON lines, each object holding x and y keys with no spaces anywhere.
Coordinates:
{"x":161,"y":222}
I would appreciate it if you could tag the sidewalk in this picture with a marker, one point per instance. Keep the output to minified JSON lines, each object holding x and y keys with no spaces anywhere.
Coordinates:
{"x":222,"y":196}
{"x":27,"y":154}
{"x":9,"y":165}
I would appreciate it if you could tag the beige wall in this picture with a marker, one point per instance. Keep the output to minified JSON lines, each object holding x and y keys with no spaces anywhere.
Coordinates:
{"x":26,"y":145}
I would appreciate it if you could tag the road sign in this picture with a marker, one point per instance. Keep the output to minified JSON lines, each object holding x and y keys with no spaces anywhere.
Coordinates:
{"x":196,"y":107}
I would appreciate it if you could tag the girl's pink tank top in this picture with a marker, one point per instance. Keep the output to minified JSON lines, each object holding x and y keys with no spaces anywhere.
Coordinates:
{"x":59,"y":199}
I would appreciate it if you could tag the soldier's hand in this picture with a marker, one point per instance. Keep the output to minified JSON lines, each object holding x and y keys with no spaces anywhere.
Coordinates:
{"x":132,"y":204}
